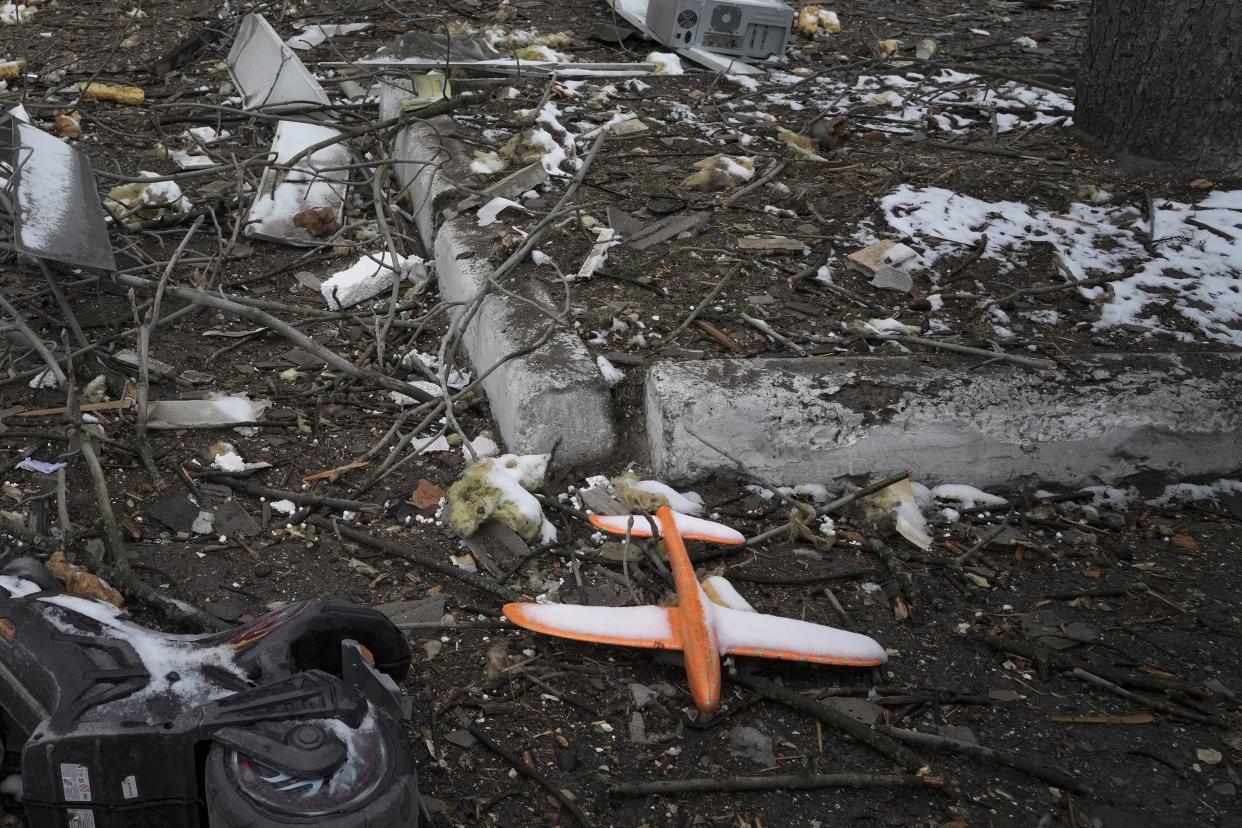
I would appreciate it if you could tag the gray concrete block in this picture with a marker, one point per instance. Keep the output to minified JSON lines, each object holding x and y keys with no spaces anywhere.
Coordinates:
{"x":556,"y":392}
{"x":811,"y":420}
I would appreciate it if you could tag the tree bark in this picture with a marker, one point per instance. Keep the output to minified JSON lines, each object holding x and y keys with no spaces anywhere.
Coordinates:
{"x":1162,"y":79}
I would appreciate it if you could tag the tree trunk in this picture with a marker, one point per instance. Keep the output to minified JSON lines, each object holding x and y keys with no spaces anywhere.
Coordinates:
{"x":1163,"y":79}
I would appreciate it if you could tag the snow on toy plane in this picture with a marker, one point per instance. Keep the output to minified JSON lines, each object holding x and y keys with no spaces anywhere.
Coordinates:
{"x":701,"y":628}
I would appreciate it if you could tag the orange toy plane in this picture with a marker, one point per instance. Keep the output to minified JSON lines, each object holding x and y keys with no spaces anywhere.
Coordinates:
{"x":701,"y":629}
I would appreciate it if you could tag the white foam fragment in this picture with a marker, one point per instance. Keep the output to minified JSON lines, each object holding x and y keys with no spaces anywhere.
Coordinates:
{"x":612,"y":374}
{"x":366,"y":278}
{"x":285,"y":507}
{"x":229,"y":461}
{"x":666,"y":63}
{"x":484,"y":446}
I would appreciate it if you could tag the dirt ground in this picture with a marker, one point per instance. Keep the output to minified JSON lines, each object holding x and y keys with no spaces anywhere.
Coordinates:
{"x":1145,"y":592}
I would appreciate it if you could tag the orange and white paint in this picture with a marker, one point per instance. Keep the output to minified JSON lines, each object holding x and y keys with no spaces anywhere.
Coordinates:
{"x":702,"y":628}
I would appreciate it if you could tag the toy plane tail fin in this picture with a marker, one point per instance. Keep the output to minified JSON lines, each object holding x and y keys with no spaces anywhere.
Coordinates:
{"x":690,"y":528}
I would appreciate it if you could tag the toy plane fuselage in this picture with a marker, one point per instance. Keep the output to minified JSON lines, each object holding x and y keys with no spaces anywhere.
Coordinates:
{"x":702,"y":629}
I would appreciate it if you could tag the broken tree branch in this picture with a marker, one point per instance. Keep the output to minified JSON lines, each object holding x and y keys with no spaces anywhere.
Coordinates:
{"x":789,"y":781}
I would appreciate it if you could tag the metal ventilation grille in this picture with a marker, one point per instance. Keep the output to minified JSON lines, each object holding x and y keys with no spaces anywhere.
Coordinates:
{"x":726,"y":18}
{"x":687,"y":19}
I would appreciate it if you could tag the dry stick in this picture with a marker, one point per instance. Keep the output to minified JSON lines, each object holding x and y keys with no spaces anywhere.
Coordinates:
{"x":1061,"y":661}
{"x":1025,"y":362}
{"x":771,"y":783}
{"x":766,"y":329}
{"x":1052,"y":775}
{"x":829,"y":508}
{"x":112,"y":534}
{"x":1041,"y":291}
{"x":707,"y":300}
{"x":281,"y":494}
{"x":897,"y":567}
{"x":70,"y":318}
{"x":757,"y":183}
{"x":38,"y":344}
{"x":144,"y":359}
{"x":398,"y":550}
{"x":525,"y":769}
{"x":848,"y":725}
{"x":846,"y":621}
{"x":259,"y":317}
{"x":1166,"y":708}
{"x":964,"y":558}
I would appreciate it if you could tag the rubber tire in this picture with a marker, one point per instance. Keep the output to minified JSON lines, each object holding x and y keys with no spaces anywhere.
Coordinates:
{"x":393,"y":805}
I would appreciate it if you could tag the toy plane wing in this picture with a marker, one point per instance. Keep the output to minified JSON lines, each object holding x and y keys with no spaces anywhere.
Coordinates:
{"x":652,"y":627}
{"x":690,"y":528}
{"x":769,"y":636}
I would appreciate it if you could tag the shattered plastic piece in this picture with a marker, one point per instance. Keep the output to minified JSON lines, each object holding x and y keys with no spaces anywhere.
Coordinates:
{"x":317,"y":182}
{"x":702,"y":629}
{"x":312,"y":35}
{"x":490,"y":211}
{"x":55,"y":207}
{"x":268,"y":74}
{"x":501,"y":488}
{"x":218,"y":412}
{"x":366,"y":278}
{"x":605,"y":238}
{"x":891,"y":278}
{"x":41,"y":466}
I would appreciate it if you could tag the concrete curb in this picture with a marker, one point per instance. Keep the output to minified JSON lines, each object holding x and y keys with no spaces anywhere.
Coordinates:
{"x":555,"y":394}
{"x":812,"y":420}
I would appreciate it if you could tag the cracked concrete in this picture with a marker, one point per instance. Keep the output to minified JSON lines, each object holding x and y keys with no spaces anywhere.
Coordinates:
{"x":552,"y":397}
{"x":802,"y":421}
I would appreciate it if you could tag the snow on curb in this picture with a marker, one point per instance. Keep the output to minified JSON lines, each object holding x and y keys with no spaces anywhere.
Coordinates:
{"x":555,"y":395}
{"x":807,"y":421}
